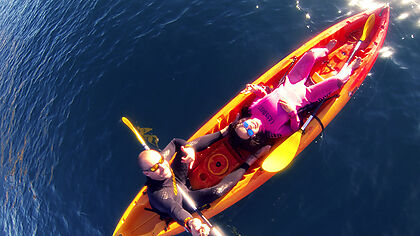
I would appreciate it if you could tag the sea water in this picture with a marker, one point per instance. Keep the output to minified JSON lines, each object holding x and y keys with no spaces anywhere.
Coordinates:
{"x":69,"y":70}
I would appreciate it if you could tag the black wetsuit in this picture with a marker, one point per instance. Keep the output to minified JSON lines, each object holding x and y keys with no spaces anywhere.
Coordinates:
{"x":162,"y":195}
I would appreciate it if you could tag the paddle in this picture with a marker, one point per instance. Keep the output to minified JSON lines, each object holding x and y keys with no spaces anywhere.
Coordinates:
{"x":141,"y":140}
{"x":185,"y":196}
{"x":286,"y":151}
{"x":366,"y":31}
{"x":214,"y":231}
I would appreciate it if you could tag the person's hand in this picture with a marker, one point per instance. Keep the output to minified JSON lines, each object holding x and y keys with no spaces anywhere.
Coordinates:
{"x":285,"y":106}
{"x":247,"y":89}
{"x":197,"y":228}
{"x":224,"y":131}
{"x":189,"y":155}
{"x":253,"y":88}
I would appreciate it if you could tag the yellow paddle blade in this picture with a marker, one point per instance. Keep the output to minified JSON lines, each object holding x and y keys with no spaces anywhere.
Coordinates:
{"x":368,"y":27}
{"x":283,"y":154}
{"x":129,"y":125}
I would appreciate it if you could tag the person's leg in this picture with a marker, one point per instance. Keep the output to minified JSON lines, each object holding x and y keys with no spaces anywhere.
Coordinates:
{"x":345,"y":72}
{"x":207,"y":195}
{"x":328,"y":86}
{"x":304,"y":66}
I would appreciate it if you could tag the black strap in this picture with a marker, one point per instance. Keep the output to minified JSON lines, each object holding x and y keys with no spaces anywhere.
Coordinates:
{"x":320,"y":123}
{"x":316,"y":110}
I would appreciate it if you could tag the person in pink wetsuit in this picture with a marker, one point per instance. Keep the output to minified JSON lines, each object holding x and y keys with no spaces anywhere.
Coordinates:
{"x":275,"y":114}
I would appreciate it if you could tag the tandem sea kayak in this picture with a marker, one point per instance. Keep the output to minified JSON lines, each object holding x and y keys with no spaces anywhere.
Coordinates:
{"x":220,"y":159}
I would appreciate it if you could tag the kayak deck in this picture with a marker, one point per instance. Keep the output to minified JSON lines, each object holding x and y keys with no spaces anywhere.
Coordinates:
{"x":220,"y":159}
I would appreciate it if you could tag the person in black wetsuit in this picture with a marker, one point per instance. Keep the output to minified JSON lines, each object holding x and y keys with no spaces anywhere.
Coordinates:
{"x":162,"y":179}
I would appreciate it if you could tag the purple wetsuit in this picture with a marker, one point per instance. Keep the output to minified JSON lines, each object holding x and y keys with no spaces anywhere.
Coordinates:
{"x":275,"y":120}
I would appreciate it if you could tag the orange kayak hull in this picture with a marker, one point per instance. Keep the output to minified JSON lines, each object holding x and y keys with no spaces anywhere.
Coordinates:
{"x":219,"y":160}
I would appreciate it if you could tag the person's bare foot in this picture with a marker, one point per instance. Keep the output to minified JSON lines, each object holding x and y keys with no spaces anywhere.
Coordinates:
{"x":331,"y":44}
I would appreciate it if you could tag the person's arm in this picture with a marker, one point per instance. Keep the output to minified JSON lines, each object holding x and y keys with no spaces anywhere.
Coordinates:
{"x":178,"y":213}
{"x":294,"y":120}
{"x":293,"y":115}
{"x":173,"y":147}
{"x":198,"y":145}
{"x":160,"y":201}
{"x":205,"y":141}
{"x":164,"y":201}
{"x":258,"y":90}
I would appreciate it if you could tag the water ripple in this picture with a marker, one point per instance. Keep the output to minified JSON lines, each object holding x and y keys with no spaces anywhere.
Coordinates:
{"x":64,"y":79}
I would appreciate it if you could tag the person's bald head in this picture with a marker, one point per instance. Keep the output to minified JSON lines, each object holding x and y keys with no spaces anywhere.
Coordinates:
{"x":148,"y":158}
{"x":153,"y":165}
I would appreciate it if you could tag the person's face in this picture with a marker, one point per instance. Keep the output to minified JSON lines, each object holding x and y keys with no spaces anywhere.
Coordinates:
{"x":248,"y":128}
{"x":154,"y":166}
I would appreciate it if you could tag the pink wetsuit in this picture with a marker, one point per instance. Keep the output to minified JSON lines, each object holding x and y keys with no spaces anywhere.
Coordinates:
{"x":275,"y":120}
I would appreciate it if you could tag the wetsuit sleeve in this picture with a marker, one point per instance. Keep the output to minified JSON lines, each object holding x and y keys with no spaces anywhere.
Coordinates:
{"x":178,"y":213}
{"x":201,"y":143}
{"x":169,"y":206}
{"x":294,"y":120}
{"x":173,"y":147}
{"x":293,"y":116}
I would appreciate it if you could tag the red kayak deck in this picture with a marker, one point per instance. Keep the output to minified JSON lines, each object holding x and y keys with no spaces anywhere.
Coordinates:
{"x":220,"y":159}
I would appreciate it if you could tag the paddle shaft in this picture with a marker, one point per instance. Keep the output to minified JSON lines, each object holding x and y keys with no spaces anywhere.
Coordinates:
{"x":191,"y":204}
{"x":312,"y":116}
{"x":354,"y":52}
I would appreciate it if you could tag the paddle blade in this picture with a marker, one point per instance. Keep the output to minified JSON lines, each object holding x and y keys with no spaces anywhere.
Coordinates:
{"x":368,"y":27}
{"x":283,"y":154}
{"x":129,"y":125}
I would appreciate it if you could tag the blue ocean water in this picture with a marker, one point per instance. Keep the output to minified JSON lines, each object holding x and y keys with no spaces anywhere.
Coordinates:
{"x":69,"y":70}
